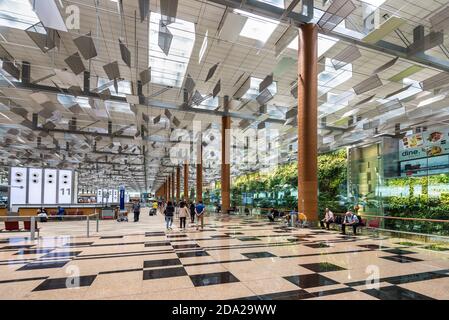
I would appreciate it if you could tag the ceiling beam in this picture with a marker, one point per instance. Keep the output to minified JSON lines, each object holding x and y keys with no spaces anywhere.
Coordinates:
{"x":148,"y":102}
{"x":296,"y":19}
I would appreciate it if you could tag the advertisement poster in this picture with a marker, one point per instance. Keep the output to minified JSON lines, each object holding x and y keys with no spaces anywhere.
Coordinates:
{"x":426,"y":144}
{"x":425,"y":166}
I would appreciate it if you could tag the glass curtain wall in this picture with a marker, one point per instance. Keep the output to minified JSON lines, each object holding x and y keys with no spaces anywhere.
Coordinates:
{"x":402,"y":183}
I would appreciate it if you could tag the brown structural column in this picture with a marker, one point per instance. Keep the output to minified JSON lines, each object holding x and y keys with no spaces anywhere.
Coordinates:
{"x":307,"y":122}
{"x":186,"y":181}
{"x":178,"y":184}
{"x":173,"y":186}
{"x":199,"y":171}
{"x":225,"y":160}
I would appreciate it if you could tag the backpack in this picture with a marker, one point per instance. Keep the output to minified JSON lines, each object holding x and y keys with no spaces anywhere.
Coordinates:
{"x":338,"y":219}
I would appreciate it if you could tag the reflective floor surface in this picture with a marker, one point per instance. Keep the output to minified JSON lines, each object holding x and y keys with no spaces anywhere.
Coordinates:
{"x":232,"y":258}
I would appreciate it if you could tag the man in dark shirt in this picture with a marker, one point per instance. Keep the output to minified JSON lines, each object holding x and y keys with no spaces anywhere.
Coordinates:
{"x":136,"y":210}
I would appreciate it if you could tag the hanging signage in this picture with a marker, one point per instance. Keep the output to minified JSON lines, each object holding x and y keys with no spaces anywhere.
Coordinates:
{"x":122,"y":198}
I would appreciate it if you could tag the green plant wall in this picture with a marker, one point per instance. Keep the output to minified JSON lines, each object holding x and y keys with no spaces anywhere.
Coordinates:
{"x":279,"y":186}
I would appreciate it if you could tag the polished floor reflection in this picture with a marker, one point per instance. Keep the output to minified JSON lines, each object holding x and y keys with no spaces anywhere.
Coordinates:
{"x":258,"y":261}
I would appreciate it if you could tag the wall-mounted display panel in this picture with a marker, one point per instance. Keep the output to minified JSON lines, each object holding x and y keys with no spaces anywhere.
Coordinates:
{"x":65,"y":191}
{"x":35,"y":188}
{"x":18,"y":191}
{"x":50,"y":185}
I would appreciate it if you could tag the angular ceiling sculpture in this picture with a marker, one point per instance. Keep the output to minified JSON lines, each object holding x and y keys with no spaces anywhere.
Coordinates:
{"x":125,"y":53}
{"x":75,"y":63}
{"x":145,"y":76}
{"x":112,"y":70}
{"x":165,"y":38}
{"x":211,"y":71}
{"x":169,"y":10}
{"x":336,"y":13}
{"x":86,"y":46}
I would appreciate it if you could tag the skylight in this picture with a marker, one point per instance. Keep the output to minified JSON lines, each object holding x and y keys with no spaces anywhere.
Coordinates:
{"x":253,"y":90}
{"x":277,"y":3}
{"x":17,"y":14}
{"x":203,"y":47}
{"x":121,"y":107}
{"x":124,"y":87}
{"x":169,"y":70}
{"x":336,"y":102}
{"x":69,"y":100}
{"x":209,"y":103}
{"x":257,"y":27}
{"x":324,"y":43}
{"x":331,"y":78}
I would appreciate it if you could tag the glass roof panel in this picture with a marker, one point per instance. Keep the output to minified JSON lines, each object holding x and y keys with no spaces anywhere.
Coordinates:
{"x":330,"y":78}
{"x":169,"y":70}
{"x":124,"y":87}
{"x":257,"y":27}
{"x":277,"y":3}
{"x":17,"y":14}
{"x":253,"y":90}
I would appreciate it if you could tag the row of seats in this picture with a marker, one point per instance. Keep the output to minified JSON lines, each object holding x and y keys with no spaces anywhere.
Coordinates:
{"x":14,"y":226}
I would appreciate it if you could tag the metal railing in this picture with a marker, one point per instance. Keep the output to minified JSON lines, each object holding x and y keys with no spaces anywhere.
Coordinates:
{"x":34,"y":219}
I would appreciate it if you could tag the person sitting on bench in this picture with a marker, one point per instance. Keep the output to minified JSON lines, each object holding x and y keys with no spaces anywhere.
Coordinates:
{"x":350,"y":219}
{"x":328,"y":219}
{"x":42,"y":215}
{"x":272,"y":214}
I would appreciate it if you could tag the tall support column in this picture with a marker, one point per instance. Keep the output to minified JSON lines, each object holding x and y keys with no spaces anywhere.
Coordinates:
{"x":186,"y":181}
{"x":307,"y":122}
{"x":173,"y":186}
{"x":225,"y":160}
{"x":178,"y":184}
{"x":199,"y":171}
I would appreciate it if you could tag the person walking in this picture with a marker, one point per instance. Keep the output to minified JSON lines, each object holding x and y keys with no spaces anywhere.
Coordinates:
{"x":183,"y":214}
{"x":169,"y":212}
{"x":136,"y":211}
{"x":199,"y":212}
{"x":192,"y":212}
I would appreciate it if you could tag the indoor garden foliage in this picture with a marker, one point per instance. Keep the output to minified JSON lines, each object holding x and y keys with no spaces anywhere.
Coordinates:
{"x":417,"y":198}
{"x":278,"y":187}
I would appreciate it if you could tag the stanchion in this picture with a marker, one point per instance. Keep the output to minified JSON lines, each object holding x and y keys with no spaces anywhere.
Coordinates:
{"x":88,"y":226}
{"x":33,"y":228}
{"x":98,"y":222}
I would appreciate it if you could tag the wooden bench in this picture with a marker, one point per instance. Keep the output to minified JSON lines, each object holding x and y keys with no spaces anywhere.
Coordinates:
{"x":338,"y":219}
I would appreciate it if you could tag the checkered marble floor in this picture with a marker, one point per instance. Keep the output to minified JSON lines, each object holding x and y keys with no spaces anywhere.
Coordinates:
{"x":232,"y":258}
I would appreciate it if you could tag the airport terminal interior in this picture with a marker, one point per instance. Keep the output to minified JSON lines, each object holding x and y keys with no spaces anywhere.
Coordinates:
{"x":224,"y":149}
